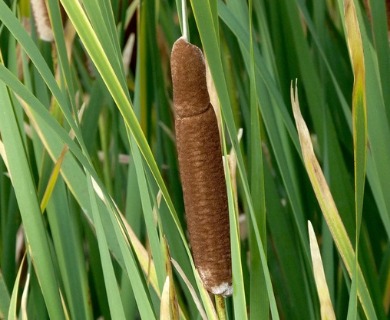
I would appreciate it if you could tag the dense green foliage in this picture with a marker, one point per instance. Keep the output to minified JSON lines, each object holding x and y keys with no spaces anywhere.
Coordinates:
{"x":91,"y":209}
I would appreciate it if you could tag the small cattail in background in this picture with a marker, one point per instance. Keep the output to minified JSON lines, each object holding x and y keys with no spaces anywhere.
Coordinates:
{"x":42,"y":21}
{"x":201,"y":169}
{"x":369,"y":15}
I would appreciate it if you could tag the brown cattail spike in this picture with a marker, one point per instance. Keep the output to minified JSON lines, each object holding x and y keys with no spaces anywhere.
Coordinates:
{"x":201,"y":169}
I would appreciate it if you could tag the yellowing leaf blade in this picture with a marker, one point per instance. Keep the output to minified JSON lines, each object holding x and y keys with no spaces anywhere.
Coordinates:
{"x":328,"y":206}
{"x":327,"y":311}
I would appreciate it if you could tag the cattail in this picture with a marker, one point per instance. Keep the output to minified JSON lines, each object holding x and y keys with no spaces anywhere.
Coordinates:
{"x":42,"y":20}
{"x":201,"y":169}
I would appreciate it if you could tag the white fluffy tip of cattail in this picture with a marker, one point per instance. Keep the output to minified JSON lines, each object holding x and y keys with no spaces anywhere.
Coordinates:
{"x":224,"y":289}
{"x":42,"y":20}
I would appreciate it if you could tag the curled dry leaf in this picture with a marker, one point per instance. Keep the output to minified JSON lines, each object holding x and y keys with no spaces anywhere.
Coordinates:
{"x":164,"y":304}
{"x":328,"y":206}
{"x":327,"y":311}
{"x":194,"y":296}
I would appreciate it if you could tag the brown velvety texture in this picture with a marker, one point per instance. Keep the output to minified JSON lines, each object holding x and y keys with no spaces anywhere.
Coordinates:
{"x":190,"y":96}
{"x":201,"y":167}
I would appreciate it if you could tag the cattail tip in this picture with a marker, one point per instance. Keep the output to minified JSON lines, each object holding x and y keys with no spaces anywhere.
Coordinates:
{"x":225,"y":289}
{"x":190,"y":95}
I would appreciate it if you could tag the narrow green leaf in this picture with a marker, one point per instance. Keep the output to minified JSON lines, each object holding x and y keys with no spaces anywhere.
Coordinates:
{"x":10,"y":21}
{"x":151,"y":226}
{"x":239,"y":297}
{"x":117,"y":231}
{"x":275,"y":116}
{"x":113,"y":295}
{"x":327,"y":311}
{"x":4,"y":298}
{"x":95,"y":50}
{"x":258,"y":289}
{"x":14,"y":296}
{"x":68,"y":247}
{"x":359,"y":122}
{"x":359,"y":110}
{"x":28,"y":204}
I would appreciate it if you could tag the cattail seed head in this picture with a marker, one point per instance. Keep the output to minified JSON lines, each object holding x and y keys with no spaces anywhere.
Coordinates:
{"x":190,"y":95}
{"x":201,"y":169}
{"x":42,"y":20}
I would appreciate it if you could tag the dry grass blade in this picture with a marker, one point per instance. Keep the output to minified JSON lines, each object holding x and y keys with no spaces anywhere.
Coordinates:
{"x":23,"y":302}
{"x":320,"y":185}
{"x":14,"y":296}
{"x":191,"y":289}
{"x":165,"y":304}
{"x":327,"y":311}
{"x":143,"y":257}
{"x":3,"y":154}
{"x":354,"y":40}
{"x":328,"y":206}
{"x":173,"y":301}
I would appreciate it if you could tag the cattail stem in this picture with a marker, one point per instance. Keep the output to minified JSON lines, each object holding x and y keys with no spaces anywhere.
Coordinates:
{"x":184,"y":19}
{"x":221,"y":307}
{"x":201,"y":169}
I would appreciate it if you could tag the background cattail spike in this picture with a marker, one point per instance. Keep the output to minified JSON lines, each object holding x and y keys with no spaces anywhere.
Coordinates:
{"x":42,"y":20}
